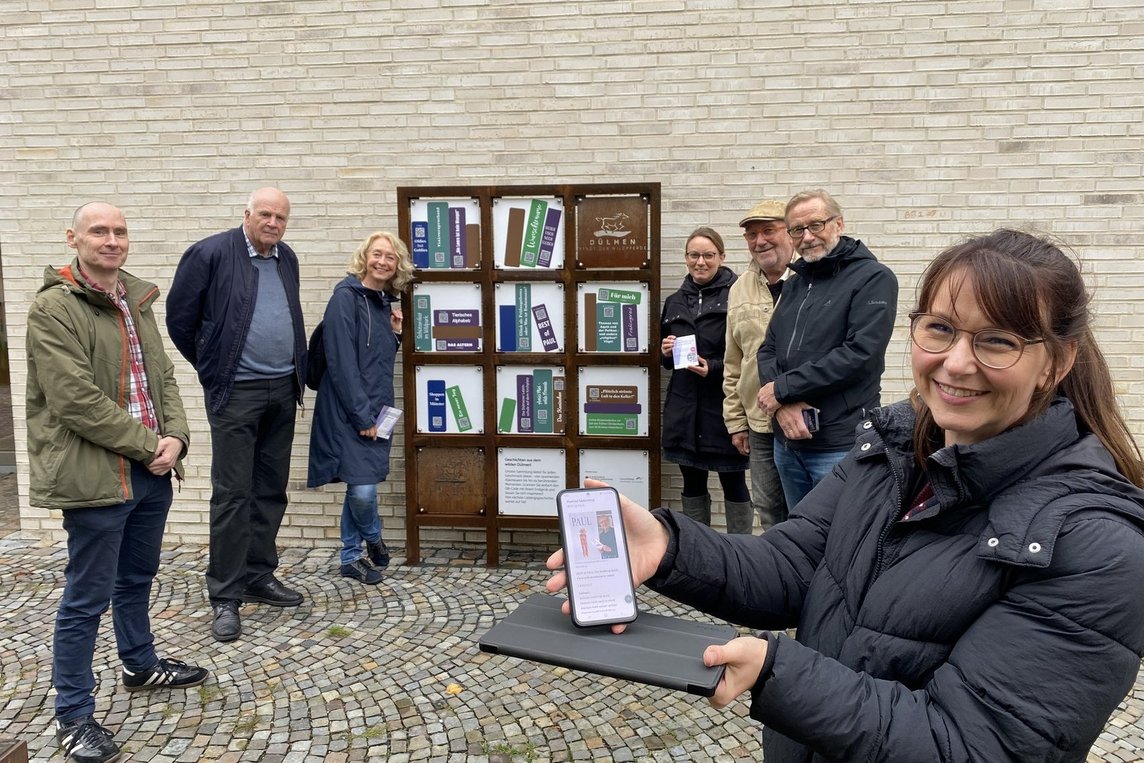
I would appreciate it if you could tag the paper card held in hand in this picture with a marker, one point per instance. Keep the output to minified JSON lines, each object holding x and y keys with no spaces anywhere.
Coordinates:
{"x":685,"y":352}
{"x":386,"y":421}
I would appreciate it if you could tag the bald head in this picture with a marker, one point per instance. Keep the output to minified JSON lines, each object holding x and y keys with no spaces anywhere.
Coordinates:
{"x":265,"y":218}
{"x":84,"y":211}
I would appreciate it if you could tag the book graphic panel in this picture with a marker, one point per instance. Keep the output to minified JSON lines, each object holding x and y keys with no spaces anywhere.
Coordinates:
{"x":613,"y":401}
{"x":528,"y":233}
{"x":446,"y":234}
{"x":531,"y":400}
{"x":446,"y":317}
{"x":450,"y":400}
{"x":614,"y":317}
{"x":530,"y":317}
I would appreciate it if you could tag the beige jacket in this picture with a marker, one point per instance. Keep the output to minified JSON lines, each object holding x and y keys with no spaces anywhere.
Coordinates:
{"x":748,"y":312}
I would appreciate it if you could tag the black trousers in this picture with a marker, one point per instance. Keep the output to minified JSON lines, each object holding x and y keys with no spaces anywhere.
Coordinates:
{"x":250,"y":467}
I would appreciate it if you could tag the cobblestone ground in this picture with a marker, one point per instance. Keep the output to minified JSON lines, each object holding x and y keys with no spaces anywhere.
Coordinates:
{"x":356,"y":673}
{"x":390,"y":673}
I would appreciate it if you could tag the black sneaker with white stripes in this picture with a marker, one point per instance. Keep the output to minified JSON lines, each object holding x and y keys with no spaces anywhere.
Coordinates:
{"x":85,"y":741}
{"x":167,"y":674}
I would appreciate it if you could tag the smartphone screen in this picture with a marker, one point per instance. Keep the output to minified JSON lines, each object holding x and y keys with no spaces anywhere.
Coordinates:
{"x":596,"y":556}
{"x":810,"y":418}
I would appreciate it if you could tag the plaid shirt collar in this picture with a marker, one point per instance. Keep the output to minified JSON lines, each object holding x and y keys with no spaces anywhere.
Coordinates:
{"x":254,"y":252}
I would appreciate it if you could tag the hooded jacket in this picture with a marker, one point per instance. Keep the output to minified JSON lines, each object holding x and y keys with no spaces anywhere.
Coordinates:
{"x":361,"y":350}
{"x":211,"y":304}
{"x":826,"y":343}
{"x":1002,"y":623}
{"x":81,"y":439}
{"x":693,"y":405}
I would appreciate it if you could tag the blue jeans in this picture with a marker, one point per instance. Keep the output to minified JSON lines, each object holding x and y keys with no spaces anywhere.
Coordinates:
{"x":359,"y":520}
{"x":113,"y":555}
{"x":801,"y":470}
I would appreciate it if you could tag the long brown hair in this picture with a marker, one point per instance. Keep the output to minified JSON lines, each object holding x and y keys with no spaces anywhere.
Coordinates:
{"x":1028,"y":285}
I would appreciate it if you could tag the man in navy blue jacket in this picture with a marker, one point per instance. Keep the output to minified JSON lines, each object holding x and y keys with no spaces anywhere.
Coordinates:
{"x":825,"y":347}
{"x":225,"y":315}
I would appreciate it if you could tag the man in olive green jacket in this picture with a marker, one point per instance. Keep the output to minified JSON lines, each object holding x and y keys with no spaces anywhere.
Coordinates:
{"x":749,"y":309}
{"x":106,"y":431}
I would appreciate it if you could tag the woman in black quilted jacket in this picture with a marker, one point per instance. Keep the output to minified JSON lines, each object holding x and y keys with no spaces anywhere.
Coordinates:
{"x":966,"y":584}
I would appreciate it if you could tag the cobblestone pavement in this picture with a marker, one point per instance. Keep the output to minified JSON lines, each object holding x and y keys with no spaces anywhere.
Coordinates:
{"x":357,"y":673}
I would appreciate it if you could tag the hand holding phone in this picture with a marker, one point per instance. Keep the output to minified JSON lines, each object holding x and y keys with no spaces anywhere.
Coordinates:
{"x":596,"y":564}
{"x":810,"y":418}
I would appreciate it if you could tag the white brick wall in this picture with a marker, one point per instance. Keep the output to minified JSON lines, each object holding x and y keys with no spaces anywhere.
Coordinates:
{"x":928,"y":120}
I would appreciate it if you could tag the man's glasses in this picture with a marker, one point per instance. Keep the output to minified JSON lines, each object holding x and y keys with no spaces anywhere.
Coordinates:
{"x":705,"y":256}
{"x":768,"y":232}
{"x":815,"y":227}
{"x":994,"y":348}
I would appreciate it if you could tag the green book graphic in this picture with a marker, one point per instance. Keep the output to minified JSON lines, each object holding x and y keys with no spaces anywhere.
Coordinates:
{"x":533,"y":231}
{"x":618,"y":295}
{"x":457,"y":405}
{"x":438,"y":234}
{"x":607,"y":326}
{"x":612,"y":424}
{"x":507,"y":415}
{"x":542,"y":401}
{"x":422,"y":323}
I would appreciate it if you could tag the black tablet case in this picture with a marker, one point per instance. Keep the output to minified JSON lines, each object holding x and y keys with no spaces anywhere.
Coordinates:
{"x":657,"y":650}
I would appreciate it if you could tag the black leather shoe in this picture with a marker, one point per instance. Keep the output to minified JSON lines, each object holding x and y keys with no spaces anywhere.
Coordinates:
{"x":165,"y":674}
{"x":270,"y":591}
{"x":227,"y":625}
{"x":85,"y":741}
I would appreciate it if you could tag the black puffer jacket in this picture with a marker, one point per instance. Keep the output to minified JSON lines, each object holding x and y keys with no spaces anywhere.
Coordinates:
{"x":1004,"y":623}
{"x":693,"y":406}
{"x":826,"y":342}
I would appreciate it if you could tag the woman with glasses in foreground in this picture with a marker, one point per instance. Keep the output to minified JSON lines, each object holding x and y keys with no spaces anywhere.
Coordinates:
{"x":694,"y":434}
{"x":966,"y":584}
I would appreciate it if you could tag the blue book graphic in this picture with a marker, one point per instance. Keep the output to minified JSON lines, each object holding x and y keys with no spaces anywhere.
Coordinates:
{"x":506,"y":328}
{"x":420,"y":244}
{"x":436,"y":405}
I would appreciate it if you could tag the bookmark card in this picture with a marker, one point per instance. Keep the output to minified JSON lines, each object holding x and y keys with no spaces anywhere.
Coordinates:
{"x":386,"y":421}
{"x":685,"y":352}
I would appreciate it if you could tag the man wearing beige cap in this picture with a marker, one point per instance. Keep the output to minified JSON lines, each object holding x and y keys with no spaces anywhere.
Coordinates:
{"x":748,"y":312}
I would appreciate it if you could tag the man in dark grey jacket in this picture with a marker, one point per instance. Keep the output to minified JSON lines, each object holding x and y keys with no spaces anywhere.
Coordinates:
{"x":825,"y":348}
{"x":225,"y":314}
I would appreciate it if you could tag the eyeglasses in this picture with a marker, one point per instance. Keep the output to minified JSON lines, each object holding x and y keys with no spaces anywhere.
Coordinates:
{"x":767,"y":232}
{"x":705,"y":256}
{"x":994,"y":348}
{"x":814,"y":227}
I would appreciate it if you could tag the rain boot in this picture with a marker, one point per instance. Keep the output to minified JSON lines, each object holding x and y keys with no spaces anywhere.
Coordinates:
{"x":698,"y":507}
{"x":740,"y":517}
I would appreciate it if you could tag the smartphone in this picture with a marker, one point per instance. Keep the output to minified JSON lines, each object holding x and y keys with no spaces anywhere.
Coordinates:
{"x":810,"y":418}
{"x":596,"y":556}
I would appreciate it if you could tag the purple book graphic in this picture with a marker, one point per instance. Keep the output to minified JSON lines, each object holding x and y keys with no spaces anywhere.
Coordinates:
{"x":548,"y":238}
{"x":544,"y":326}
{"x":630,"y":327}
{"x":457,"y":345}
{"x":613,"y":408}
{"x":456,"y":317}
{"x":457,"y":242}
{"x":524,"y":403}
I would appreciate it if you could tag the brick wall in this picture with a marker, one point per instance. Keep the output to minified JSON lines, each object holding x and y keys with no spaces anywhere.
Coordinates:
{"x":928,"y":120}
